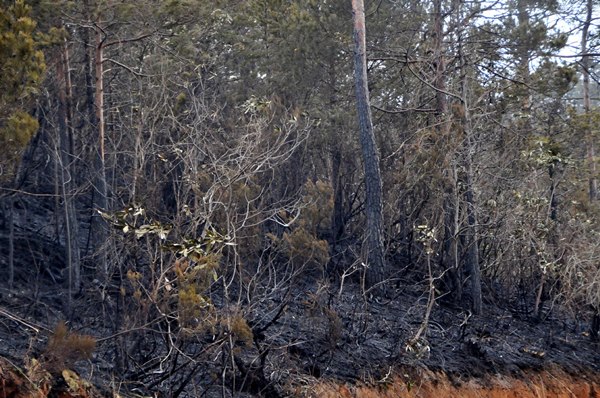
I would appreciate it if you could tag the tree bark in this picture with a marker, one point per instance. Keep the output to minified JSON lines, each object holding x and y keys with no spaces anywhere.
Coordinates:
{"x":100,"y":185}
{"x":450,"y":205}
{"x":523,"y":55}
{"x":585,"y":66}
{"x":595,"y":327}
{"x":439,"y":61}
{"x":338,"y":216}
{"x":472,"y":255}
{"x":376,"y":266}
{"x":450,"y":258}
{"x":65,"y":173}
{"x":9,"y":208}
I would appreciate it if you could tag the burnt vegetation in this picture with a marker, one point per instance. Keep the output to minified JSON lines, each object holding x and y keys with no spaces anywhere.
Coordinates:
{"x":187,"y":207}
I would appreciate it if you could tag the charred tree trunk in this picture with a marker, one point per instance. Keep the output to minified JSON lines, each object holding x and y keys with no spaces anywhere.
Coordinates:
{"x":338,"y":216}
{"x":337,"y":222}
{"x":449,"y":258}
{"x":595,"y":327}
{"x":376,"y":267}
{"x":9,"y":210}
{"x":101,"y":192}
{"x":65,"y":173}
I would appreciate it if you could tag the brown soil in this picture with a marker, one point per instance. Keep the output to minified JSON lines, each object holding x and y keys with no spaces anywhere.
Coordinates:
{"x":15,"y":383}
{"x":546,"y":384}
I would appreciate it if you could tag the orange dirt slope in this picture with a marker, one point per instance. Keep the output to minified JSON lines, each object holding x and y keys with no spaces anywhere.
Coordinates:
{"x":544,"y":384}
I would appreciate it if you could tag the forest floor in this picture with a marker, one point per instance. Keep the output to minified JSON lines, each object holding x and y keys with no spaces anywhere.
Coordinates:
{"x":336,"y":343}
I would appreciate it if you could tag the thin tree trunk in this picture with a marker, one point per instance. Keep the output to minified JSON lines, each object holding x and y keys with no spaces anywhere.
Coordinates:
{"x":595,"y":327}
{"x":450,"y":204}
{"x":439,"y":63}
{"x":88,"y":70}
{"x":64,"y":164}
{"x":523,"y":56}
{"x":337,"y":220}
{"x":9,"y":207}
{"x":472,"y":253}
{"x":472,"y":258}
{"x":376,"y":267}
{"x":449,"y":257}
{"x":585,"y":66}
{"x":101,"y":188}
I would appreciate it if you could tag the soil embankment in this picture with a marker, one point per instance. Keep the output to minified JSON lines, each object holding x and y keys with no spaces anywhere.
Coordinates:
{"x":544,"y":384}
{"x":15,"y":383}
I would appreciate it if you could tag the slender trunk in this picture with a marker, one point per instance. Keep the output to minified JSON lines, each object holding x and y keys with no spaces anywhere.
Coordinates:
{"x":472,"y":258}
{"x":101,"y":188}
{"x":9,"y":207}
{"x":69,"y":150}
{"x":64,"y":164}
{"x":472,"y":254}
{"x":595,"y":327}
{"x":449,"y":257}
{"x":450,"y":206}
{"x":552,"y":237}
{"x":376,"y":267}
{"x":88,"y":69}
{"x":430,"y":302}
{"x":439,"y":63}
{"x":337,"y":221}
{"x":585,"y":66}
{"x":523,"y":55}
{"x":552,"y":170}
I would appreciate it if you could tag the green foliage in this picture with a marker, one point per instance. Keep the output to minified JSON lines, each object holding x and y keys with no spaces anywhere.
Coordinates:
{"x":21,"y":60}
{"x":22,"y":65}
{"x":555,"y":80}
{"x":20,"y":127}
{"x":543,"y":151}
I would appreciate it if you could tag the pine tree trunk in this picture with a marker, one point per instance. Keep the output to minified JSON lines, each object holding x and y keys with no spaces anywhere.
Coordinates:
{"x":449,"y":257}
{"x":65,"y":173}
{"x":337,"y":220}
{"x":585,"y":66}
{"x":450,"y":206}
{"x":100,"y":184}
{"x":472,"y":254}
{"x":523,"y":58}
{"x":376,"y":267}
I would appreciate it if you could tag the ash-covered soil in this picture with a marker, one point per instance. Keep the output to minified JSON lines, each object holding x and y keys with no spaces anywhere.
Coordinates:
{"x":316,"y":332}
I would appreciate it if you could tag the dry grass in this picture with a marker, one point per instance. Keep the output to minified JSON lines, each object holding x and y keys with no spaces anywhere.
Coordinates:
{"x":547,"y":384}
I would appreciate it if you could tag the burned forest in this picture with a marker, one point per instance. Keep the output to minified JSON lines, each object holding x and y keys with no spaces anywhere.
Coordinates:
{"x":309,"y":198}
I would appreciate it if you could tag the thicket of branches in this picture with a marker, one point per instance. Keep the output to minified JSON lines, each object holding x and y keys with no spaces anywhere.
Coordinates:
{"x":200,"y":160}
